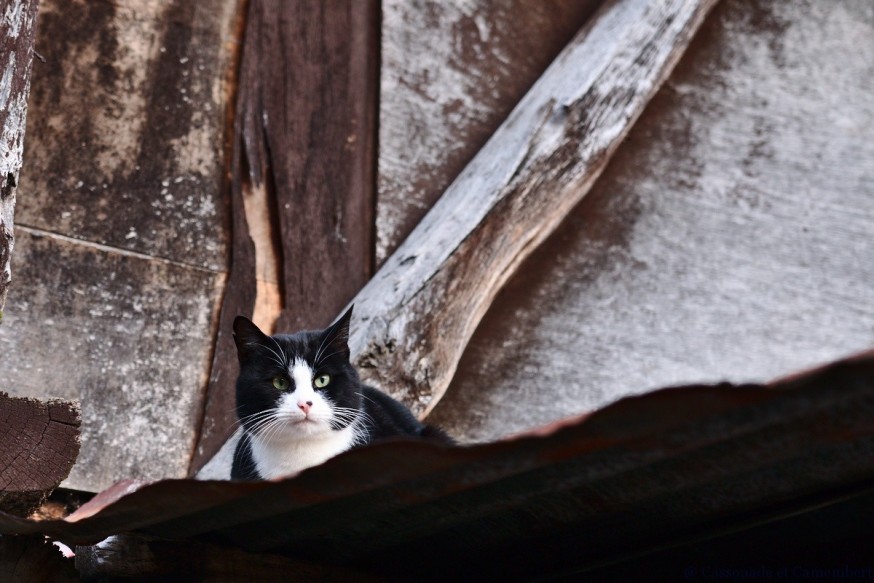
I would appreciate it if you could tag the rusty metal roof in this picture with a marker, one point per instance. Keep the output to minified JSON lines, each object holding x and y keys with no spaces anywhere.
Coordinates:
{"x":663,"y":466}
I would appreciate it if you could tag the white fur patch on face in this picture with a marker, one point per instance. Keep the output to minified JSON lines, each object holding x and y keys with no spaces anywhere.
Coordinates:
{"x":304,"y":438}
{"x":307,"y":411}
{"x":302,"y":375}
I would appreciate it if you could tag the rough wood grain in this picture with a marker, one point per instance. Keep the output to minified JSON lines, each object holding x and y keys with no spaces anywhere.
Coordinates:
{"x":126,"y":335}
{"x":450,"y":73}
{"x":305,"y":134}
{"x":126,"y":137}
{"x":729,"y":238}
{"x":417,"y":314}
{"x":39,"y":442}
{"x":125,"y":226}
{"x":17,"y":33}
{"x":307,"y":109}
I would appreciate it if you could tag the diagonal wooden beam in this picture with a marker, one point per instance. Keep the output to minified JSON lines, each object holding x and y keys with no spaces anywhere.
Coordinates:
{"x":415,"y":317}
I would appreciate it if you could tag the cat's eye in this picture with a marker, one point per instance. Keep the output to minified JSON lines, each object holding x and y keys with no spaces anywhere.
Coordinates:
{"x":280,"y":383}
{"x":322,"y":381}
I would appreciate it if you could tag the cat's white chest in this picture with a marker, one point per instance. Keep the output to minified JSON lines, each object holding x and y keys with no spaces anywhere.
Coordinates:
{"x":281,"y":457}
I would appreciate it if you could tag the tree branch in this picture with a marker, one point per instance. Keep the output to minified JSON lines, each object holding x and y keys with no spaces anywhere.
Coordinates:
{"x":415,"y":317}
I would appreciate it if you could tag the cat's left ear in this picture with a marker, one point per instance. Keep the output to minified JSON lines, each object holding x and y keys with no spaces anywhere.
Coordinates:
{"x":247,"y":336}
{"x":337,"y":334}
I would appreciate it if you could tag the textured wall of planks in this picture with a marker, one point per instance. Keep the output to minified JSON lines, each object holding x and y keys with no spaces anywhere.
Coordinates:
{"x":122,"y":247}
{"x":727,"y":239}
{"x":730,"y":237}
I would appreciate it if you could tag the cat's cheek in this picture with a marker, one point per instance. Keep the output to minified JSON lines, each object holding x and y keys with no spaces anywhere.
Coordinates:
{"x":321,"y":408}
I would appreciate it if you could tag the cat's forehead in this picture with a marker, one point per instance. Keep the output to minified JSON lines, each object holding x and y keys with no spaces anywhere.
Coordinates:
{"x":301,"y":345}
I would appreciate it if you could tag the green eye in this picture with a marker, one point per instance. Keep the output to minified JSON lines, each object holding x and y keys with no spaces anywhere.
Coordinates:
{"x":322,"y":381}
{"x":280,"y":383}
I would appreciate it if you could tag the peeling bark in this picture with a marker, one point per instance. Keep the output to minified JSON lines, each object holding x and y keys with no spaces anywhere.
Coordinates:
{"x":17,"y":33}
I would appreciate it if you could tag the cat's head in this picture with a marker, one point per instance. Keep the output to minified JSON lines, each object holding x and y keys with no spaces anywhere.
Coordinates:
{"x":296,"y":385}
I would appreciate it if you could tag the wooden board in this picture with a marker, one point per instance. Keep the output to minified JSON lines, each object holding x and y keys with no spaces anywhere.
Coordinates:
{"x":729,"y":238}
{"x":126,"y":335}
{"x":124,"y":216}
{"x":450,"y":73}
{"x":303,"y":172}
{"x":125,"y":136}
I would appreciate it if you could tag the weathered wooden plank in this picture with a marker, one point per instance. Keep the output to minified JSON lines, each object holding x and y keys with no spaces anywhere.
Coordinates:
{"x":17,"y":33}
{"x":308,"y":108}
{"x":417,"y":314}
{"x":218,"y":419}
{"x":126,"y":182}
{"x":729,"y":238}
{"x":39,"y":442}
{"x":450,"y":73}
{"x":127,"y":335}
{"x":128,"y":114}
{"x":305,"y":132}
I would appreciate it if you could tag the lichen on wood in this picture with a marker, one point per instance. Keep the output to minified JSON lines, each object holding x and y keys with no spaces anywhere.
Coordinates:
{"x":17,"y":32}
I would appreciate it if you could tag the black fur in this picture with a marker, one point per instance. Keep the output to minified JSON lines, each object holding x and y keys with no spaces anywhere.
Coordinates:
{"x":261,"y":359}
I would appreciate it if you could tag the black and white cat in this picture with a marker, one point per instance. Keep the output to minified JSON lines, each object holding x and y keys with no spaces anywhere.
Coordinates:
{"x":300,"y":402}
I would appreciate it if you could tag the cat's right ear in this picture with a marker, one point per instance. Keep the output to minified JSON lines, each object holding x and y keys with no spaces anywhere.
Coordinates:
{"x":247,"y":336}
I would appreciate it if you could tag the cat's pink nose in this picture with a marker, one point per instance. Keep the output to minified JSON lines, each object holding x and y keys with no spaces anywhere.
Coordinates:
{"x":305,"y":406}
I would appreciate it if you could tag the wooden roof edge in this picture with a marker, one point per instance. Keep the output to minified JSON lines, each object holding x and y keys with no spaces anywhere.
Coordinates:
{"x":630,"y":422}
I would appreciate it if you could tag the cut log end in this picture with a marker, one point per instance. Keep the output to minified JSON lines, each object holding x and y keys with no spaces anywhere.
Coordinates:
{"x":39,"y":443}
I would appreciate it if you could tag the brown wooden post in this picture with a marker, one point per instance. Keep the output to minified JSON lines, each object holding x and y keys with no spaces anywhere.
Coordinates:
{"x":17,"y":32}
{"x":305,"y":147}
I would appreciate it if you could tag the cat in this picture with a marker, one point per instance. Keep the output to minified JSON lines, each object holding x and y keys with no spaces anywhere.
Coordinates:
{"x":300,"y":402}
